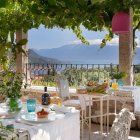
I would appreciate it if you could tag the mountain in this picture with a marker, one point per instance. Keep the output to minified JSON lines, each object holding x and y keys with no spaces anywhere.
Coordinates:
{"x":36,"y":58}
{"x":85,"y":54}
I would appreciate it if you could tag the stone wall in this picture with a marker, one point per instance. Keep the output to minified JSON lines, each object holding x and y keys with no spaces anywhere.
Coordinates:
{"x":96,"y":111}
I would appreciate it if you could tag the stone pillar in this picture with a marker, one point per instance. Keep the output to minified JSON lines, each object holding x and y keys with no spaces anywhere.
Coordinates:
{"x":22,"y":59}
{"x":126,"y":53}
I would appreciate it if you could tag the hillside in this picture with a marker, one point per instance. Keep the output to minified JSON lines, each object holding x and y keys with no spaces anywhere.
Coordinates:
{"x":82,"y":53}
{"x":36,"y":58}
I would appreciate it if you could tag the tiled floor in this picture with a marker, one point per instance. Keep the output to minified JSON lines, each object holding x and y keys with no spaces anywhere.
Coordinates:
{"x":134,"y":135}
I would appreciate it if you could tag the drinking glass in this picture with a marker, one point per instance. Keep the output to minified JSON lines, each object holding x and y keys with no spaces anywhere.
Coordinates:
{"x":120,"y":82}
{"x":114,"y":85}
{"x":31,"y":105}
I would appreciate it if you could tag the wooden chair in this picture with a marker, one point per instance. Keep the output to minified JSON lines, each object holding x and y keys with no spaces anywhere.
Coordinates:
{"x":63,"y":91}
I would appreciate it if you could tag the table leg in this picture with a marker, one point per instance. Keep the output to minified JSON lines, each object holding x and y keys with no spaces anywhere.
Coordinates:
{"x":90,"y":100}
{"x":107,"y":115}
{"x":101,"y":116}
{"x":115,"y":105}
{"x":82,"y":124}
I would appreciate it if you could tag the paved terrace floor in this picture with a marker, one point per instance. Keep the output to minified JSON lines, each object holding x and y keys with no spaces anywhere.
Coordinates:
{"x":134,"y":135}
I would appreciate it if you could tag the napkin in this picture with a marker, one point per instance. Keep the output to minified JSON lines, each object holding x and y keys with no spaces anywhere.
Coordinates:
{"x":63,"y":109}
{"x":136,"y":94}
{"x":3,"y":111}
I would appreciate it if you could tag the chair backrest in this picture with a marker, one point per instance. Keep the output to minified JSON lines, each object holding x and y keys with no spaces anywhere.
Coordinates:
{"x":121,"y":125}
{"x":85,"y":100}
{"x":63,"y":87}
{"x":82,"y":102}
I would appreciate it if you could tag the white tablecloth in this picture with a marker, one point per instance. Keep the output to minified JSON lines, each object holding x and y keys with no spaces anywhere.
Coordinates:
{"x":136,"y":94}
{"x":67,"y":128}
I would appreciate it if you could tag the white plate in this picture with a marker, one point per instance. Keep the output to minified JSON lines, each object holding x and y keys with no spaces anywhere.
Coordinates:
{"x":59,"y":116}
{"x":62,"y":109}
{"x":34,"y":119}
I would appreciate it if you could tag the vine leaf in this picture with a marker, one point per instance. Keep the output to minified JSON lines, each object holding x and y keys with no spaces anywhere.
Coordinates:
{"x":3,"y":3}
{"x":97,"y":1}
{"x":22,"y":42}
{"x":52,"y":2}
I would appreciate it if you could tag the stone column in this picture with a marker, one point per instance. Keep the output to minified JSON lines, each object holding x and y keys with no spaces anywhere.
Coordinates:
{"x":126,"y":52}
{"x":22,"y":59}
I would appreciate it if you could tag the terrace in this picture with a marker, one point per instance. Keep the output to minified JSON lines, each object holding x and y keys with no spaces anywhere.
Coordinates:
{"x":96,"y":110}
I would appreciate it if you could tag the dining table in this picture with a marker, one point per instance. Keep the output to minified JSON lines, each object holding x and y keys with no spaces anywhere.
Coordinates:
{"x":66,"y":127}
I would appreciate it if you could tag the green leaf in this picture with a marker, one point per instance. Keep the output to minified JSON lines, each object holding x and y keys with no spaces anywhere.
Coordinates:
{"x":102,"y":45}
{"x":61,"y":3}
{"x":9,"y":45}
{"x":97,"y":1}
{"x":52,"y":2}
{"x":34,"y":9}
{"x":22,"y":42}
{"x":2,"y":51}
{"x":82,"y":2}
{"x":3,"y":3}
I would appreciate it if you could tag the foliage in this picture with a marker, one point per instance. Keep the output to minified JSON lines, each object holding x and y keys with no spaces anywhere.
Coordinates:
{"x":10,"y":84}
{"x":8,"y":132}
{"x":118,"y":75}
{"x":95,"y":15}
{"x":9,"y":49}
{"x":75,"y":75}
{"x":39,"y":82}
{"x":137,"y":79}
{"x":82,"y":76}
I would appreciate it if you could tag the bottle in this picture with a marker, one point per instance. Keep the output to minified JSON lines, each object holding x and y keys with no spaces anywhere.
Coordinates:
{"x":45,"y":97}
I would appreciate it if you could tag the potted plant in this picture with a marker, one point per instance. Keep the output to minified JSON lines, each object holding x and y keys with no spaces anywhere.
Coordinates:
{"x":10,"y":86}
{"x":119,"y":76}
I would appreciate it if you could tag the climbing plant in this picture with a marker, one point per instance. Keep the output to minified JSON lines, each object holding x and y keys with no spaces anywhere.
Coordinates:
{"x":95,"y":15}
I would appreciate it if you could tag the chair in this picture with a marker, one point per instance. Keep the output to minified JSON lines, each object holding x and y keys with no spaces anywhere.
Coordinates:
{"x":63,"y":91}
{"x":121,"y":126}
{"x":84,"y":103}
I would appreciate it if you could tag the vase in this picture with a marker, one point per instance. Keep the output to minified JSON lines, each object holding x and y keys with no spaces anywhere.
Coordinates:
{"x":14,"y":106}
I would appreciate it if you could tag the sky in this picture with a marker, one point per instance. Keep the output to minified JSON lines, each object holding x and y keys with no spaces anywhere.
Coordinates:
{"x":42,"y":38}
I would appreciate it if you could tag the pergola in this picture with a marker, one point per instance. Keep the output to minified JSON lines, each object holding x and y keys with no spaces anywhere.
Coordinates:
{"x":19,"y":16}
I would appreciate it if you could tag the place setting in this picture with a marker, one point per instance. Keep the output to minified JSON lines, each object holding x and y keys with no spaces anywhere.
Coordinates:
{"x":35,"y":114}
